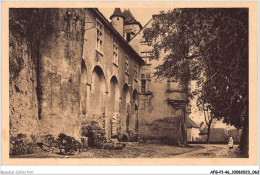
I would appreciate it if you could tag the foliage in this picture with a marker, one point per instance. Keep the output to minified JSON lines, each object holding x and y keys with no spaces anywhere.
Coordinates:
{"x":209,"y":46}
{"x":68,"y":144}
{"x":20,"y":145}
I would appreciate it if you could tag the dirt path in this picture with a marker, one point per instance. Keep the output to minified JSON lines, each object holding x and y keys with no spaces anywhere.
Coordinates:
{"x":147,"y":151}
{"x":212,"y":151}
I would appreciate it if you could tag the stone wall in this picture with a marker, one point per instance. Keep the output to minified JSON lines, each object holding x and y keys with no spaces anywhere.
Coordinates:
{"x":61,"y":67}
{"x":154,"y":108}
{"x":23,"y":104}
{"x":165,"y":130}
{"x":46,"y":48}
{"x":60,"y":82}
{"x":131,"y":28}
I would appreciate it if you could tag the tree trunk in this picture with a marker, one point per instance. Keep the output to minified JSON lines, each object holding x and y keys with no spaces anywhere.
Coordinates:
{"x":185,"y":135}
{"x":244,"y":141}
{"x":208,"y":134}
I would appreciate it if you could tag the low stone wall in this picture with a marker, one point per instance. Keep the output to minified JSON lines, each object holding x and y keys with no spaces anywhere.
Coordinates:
{"x":166,"y":130}
{"x":63,"y":144}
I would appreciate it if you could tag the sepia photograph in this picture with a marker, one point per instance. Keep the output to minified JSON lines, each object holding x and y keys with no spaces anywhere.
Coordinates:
{"x":128,"y":82}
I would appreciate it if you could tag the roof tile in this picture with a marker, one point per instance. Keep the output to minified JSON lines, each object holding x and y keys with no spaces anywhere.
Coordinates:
{"x":117,"y":12}
{"x":129,"y":18}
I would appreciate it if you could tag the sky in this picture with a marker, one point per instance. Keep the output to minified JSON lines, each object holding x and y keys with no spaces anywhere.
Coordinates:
{"x":138,"y":13}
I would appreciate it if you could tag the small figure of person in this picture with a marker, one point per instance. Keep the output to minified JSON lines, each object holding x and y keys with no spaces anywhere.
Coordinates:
{"x":230,"y":143}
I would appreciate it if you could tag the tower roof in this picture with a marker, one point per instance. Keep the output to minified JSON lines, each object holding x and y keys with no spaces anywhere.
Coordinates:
{"x":117,"y":13}
{"x":130,"y":19}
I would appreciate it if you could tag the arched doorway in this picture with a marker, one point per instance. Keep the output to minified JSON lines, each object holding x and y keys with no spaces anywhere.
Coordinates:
{"x":113,"y":106}
{"x":98,"y":90}
{"x":114,"y":95}
{"x":83,"y":88}
{"x":126,"y":107}
{"x":135,"y":110}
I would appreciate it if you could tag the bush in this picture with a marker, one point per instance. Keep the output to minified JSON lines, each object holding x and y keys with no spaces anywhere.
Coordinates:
{"x":21,"y":145}
{"x":67,"y":144}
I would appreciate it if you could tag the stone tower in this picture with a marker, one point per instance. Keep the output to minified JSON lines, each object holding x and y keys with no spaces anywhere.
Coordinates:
{"x":131,"y":25}
{"x":118,"y":21}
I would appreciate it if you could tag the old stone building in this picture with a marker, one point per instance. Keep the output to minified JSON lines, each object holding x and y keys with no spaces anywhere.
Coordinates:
{"x":164,"y":105}
{"x":112,"y":82}
{"x":86,"y":72}
{"x":72,"y":68}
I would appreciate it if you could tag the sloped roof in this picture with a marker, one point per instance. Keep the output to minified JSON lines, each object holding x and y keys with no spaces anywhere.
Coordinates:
{"x":117,"y":12}
{"x":121,"y":39}
{"x":142,"y":29}
{"x":129,"y":18}
{"x":191,"y":123}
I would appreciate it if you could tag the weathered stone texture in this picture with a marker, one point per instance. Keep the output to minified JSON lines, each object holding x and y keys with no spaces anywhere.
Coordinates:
{"x":110,"y":88}
{"x":61,"y":62}
{"x":63,"y":82}
{"x":23,"y":106}
{"x":166,"y":130}
{"x":44,"y":95}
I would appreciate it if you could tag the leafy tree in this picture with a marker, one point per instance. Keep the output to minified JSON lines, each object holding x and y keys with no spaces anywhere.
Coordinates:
{"x":209,"y":46}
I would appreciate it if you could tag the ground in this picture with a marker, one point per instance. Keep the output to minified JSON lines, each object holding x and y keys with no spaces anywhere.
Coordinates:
{"x":135,"y":150}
